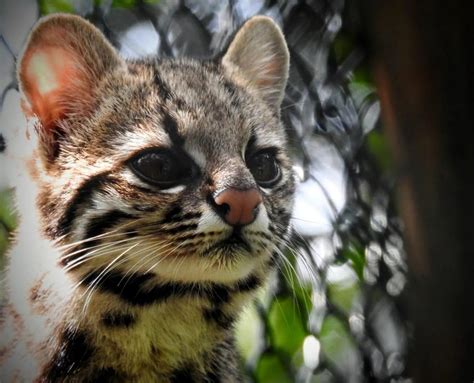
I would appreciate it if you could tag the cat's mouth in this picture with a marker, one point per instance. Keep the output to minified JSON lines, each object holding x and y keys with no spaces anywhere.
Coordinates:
{"x":235,"y":242}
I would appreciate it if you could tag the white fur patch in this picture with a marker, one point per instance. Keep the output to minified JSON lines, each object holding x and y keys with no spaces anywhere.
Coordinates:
{"x":198,"y":156}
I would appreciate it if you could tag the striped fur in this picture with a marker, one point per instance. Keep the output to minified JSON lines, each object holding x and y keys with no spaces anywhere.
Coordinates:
{"x":111,"y":278}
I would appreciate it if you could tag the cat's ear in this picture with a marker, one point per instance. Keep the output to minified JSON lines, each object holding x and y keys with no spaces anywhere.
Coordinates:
{"x":64,"y":59}
{"x":258,"y":57}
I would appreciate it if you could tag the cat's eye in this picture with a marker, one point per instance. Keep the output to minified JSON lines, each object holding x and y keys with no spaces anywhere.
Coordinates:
{"x":265,"y":168}
{"x":162,"y":168}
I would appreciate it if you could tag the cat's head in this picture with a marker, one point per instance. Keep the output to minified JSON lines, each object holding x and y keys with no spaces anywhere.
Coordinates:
{"x":172,"y":167}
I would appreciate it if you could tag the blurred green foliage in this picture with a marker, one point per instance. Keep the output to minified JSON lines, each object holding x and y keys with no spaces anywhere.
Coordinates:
{"x":66,"y":6}
{"x":378,"y":147}
{"x":54,"y":6}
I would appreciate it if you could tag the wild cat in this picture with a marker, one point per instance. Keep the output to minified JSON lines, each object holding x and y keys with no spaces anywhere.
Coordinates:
{"x":159,"y":195}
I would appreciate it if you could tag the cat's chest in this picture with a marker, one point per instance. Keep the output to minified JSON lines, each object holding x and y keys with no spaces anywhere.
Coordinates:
{"x":154,"y":341}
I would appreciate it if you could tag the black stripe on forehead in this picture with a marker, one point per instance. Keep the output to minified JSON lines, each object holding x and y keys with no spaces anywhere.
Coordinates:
{"x":163,"y":89}
{"x":171,"y":128}
{"x":168,"y":121}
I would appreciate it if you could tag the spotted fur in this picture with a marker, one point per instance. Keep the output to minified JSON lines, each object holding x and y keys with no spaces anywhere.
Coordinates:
{"x":112,"y":279}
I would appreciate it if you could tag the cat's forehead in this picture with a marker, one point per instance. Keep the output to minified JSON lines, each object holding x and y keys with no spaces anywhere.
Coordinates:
{"x":189,"y":101}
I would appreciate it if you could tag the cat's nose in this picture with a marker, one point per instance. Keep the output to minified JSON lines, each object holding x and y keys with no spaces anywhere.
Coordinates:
{"x":238,"y":207}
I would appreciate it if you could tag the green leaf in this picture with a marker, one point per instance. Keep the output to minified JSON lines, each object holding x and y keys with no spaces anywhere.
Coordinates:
{"x":363,"y":75}
{"x":356,"y":255}
{"x":271,"y":369}
{"x":336,"y":342}
{"x":287,"y":325}
{"x":54,"y":6}
{"x":343,"y":295}
{"x":123,"y":3}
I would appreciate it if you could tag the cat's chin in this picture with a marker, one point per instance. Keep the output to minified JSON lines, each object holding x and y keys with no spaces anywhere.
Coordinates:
{"x":219,"y":267}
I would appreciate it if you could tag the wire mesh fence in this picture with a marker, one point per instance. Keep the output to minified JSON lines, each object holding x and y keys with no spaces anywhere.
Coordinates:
{"x":335,"y":312}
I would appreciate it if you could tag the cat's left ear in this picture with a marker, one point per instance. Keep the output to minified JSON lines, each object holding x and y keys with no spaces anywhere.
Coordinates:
{"x":64,"y":60}
{"x":258,"y":58}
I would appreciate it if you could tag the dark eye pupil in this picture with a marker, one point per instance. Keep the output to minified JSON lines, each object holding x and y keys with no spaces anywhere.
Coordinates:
{"x":163,"y":169}
{"x":154,"y":166}
{"x":264,"y":168}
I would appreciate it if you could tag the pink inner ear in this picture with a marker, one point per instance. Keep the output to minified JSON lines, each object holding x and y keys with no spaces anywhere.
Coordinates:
{"x":52,"y":80}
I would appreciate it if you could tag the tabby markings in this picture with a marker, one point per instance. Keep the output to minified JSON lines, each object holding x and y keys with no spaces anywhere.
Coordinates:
{"x":118,"y":320}
{"x":82,"y":196}
{"x":102,"y":224}
{"x":163,"y":90}
{"x":138,"y":291}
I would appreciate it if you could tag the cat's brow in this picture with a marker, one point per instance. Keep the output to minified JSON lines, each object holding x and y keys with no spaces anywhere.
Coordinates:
{"x":163,"y":90}
{"x":171,"y":128}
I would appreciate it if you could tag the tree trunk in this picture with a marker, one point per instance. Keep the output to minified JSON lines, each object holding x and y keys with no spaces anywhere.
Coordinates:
{"x":422,"y":54}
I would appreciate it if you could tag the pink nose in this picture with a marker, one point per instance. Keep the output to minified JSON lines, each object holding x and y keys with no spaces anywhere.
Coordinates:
{"x":241,"y":205}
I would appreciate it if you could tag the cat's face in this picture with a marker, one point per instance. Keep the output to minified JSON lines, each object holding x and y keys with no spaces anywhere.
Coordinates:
{"x":177,"y":168}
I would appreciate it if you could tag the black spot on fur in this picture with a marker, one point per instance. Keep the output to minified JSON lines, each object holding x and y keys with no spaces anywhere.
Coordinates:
{"x":217,"y":316}
{"x":118,"y":320}
{"x":73,"y":353}
{"x":173,"y":213}
{"x":83,"y":195}
{"x":250,"y":283}
{"x":106,"y":375}
{"x":212,"y":377}
{"x":218,"y":294}
{"x":183,"y":375}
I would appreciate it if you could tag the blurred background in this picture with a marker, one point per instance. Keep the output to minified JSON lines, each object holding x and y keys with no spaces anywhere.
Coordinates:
{"x":341,"y":309}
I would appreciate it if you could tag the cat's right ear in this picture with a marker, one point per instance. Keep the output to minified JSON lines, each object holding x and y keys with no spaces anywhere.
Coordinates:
{"x":64,"y":59}
{"x":258,"y":58}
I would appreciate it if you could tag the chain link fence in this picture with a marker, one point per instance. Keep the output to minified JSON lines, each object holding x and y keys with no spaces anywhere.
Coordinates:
{"x":336,"y":312}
